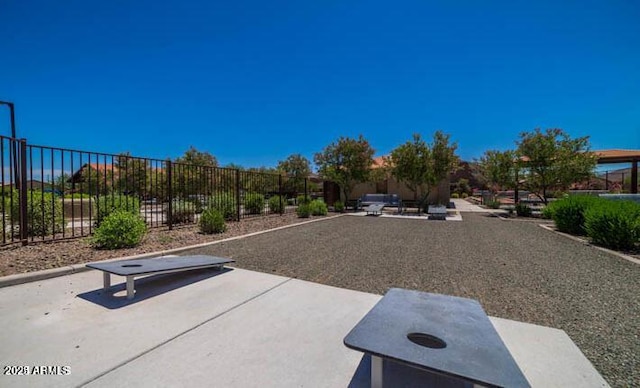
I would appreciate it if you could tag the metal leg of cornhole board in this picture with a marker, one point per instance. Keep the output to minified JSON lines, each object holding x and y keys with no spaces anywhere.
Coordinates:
{"x":130,"y":290}
{"x":376,"y":372}
{"x":106,"y":280}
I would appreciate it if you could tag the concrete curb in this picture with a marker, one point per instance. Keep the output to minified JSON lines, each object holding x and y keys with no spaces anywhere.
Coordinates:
{"x":28,"y":277}
{"x":586,"y":242}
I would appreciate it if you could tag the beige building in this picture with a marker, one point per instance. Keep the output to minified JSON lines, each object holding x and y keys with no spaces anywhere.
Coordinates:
{"x":388,"y":185}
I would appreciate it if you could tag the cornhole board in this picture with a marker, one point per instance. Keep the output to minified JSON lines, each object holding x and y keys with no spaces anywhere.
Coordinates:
{"x":439,"y":334}
{"x":154,"y":266}
{"x":375,"y":209}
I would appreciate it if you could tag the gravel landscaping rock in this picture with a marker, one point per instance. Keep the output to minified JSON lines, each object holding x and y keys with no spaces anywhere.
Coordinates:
{"x":517,"y":270}
{"x":45,"y":255}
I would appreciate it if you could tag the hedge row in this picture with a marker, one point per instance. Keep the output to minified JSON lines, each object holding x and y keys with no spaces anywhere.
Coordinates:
{"x":613,"y":224}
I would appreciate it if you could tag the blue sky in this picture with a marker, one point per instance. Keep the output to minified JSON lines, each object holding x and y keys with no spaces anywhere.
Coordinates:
{"x":253,"y":82}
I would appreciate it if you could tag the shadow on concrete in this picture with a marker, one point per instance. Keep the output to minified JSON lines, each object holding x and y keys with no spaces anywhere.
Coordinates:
{"x":402,"y":376}
{"x":147,"y":287}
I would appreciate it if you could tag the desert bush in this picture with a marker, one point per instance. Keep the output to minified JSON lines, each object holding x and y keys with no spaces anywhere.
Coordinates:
{"x":493,"y":204}
{"x":300,"y":199}
{"x":318,"y":208}
{"x":254,"y":203}
{"x":120,"y":229}
{"x":277,"y":204}
{"x":523,"y":210}
{"x":549,"y":210}
{"x":613,"y":224}
{"x":107,"y":204}
{"x":338,"y":206}
{"x":182,"y":212}
{"x":568,"y":213}
{"x":464,"y":195}
{"x":303,"y":210}
{"x":225,"y":204}
{"x":455,"y":195}
{"x":44,"y":212}
{"x":212,"y":221}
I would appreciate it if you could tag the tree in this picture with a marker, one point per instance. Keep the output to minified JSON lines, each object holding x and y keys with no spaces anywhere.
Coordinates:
{"x":62,"y":183}
{"x":297,"y":168}
{"x":498,"y":169}
{"x":197,"y":158}
{"x":552,"y":160}
{"x":346,"y":162}
{"x":95,"y":181}
{"x":420,"y":166}
{"x":133,"y":174}
{"x":191,"y":174}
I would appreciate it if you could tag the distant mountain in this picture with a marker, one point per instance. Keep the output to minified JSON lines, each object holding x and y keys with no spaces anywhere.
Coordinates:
{"x":616,"y":175}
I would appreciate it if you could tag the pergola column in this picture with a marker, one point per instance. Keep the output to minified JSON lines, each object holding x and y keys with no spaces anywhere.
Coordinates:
{"x":634,"y":176}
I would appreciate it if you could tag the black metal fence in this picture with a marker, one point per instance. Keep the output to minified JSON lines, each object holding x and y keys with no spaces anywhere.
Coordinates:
{"x":49,"y":193}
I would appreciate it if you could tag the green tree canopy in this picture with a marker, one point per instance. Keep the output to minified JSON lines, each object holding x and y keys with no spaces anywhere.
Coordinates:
{"x":133,"y":174}
{"x":192,"y":174}
{"x":297,"y":168}
{"x":552,"y":160}
{"x":197,"y":158}
{"x":498,"y":169}
{"x":420,"y":166}
{"x":295,"y":165}
{"x":346,"y":162}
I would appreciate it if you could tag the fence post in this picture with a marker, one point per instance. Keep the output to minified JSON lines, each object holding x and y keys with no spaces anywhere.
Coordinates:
{"x":23,"y":192}
{"x":170,"y":195}
{"x":280,"y":194}
{"x":238,"y":194}
{"x":516,"y":194}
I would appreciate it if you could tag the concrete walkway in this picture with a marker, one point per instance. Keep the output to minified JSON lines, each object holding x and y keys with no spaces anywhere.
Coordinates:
{"x":237,"y":328}
{"x":463,"y":205}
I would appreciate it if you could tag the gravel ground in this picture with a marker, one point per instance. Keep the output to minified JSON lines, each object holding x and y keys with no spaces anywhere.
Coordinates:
{"x":517,"y":270}
{"x":45,"y":255}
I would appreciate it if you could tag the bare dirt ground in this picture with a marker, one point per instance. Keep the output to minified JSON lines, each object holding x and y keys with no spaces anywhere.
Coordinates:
{"x":45,"y":255}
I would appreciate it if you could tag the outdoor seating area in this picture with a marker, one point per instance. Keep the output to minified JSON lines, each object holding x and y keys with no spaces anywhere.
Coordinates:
{"x":235,"y":328}
{"x":238,"y":318}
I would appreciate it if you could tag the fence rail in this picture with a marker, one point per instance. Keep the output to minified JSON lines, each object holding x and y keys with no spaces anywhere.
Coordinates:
{"x":51,"y":193}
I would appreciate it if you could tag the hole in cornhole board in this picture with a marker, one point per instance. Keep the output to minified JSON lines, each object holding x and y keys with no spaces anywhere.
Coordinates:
{"x":427,"y":340}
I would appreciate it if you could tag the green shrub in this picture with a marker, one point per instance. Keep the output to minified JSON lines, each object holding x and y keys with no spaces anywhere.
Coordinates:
{"x":300,"y":199}
{"x":107,"y":204}
{"x":455,"y":195}
{"x":254,"y":203}
{"x":198,"y":205}
{"x":549,"y":210}
{"x":464,"y":195}
{"x":277,"y":204}
{"x":44,"y":212}
{"x":493,"y":204}
{"x":523,"y":210}
{"x":77,"y":196}
{"x":212,"y":221}
{"x":225,"y":204}
{"x":303,"y":210}
{"x":120,"y":229}
{"x":568,"y":213}
{"x":182,"y":212}
{"x":318,"y":208}
{"x":613,"y":224}
{"x":338,"y":206}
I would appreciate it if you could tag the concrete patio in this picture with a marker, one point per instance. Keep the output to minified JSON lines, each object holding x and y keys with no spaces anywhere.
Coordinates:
{"x":236,"y":328}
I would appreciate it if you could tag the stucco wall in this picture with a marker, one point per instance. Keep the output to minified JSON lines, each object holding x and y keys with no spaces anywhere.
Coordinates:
{"x":439,"y":194}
